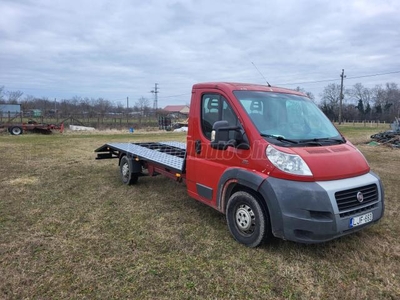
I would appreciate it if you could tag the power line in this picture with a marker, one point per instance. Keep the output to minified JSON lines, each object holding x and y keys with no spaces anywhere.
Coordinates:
{"x":372,"y":75}
{"x":317,"y":81}
{"x":185,"y":94}
{"x":327,"y":80}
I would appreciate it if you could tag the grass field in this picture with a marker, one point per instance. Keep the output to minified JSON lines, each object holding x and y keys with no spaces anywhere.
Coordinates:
{"x":70,"y":230}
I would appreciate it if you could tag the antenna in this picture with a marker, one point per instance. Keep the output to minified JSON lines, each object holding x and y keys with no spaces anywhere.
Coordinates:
{"x":261,"y":74}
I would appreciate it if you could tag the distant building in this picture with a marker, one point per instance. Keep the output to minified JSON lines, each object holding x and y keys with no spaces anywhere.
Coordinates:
{"x":12,"y":109}
{"x":36,"y":112}
{"x":177,"y":111}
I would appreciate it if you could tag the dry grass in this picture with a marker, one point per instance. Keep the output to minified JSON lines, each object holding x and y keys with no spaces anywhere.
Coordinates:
{"x":70,"y":229}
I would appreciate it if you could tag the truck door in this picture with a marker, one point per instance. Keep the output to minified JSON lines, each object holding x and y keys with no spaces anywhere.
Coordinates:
{"x":208,"y":164}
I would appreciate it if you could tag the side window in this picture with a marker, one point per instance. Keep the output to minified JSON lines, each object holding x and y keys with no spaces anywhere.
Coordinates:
{"x":214,"y":108}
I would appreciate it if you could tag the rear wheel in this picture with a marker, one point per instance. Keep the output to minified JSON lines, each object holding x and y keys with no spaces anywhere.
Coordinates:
{"x":16,"y":130}
{"x":247,"y":220}
{"x":126,"y":175}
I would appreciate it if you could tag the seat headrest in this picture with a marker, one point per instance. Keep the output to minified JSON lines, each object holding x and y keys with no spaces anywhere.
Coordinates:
{"x":256,"y":105}
{"x":212,"y":104}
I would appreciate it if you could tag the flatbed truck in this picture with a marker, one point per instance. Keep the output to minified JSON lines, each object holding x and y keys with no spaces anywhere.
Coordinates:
{"x":268,"y":159}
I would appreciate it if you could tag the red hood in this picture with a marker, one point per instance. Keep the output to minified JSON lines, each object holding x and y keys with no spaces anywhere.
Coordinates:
{"x":333,"y":162}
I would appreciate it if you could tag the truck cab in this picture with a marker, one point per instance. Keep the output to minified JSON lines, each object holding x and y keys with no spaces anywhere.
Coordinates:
{"x":283,"y":159}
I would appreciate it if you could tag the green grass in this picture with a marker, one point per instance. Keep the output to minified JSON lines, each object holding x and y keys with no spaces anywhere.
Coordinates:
{"x":70,"y":230}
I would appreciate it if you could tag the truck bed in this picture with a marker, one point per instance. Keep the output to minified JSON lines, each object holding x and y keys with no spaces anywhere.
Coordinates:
{"x":169,"y":155}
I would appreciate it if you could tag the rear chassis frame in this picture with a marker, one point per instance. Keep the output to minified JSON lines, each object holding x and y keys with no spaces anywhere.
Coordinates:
{"x":165,"y":158}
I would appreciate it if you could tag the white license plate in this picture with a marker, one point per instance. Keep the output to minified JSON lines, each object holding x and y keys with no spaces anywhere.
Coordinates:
{"x":356,"y":221}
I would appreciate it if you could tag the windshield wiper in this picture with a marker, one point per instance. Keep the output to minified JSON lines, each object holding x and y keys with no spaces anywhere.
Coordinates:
{"x":322,"y":140}
{"x":279,"y":138}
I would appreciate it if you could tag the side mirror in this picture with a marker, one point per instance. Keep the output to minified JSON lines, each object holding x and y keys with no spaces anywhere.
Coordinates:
{"x":220,"y":135}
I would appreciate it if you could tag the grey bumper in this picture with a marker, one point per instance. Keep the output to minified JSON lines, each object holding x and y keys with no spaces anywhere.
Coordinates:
{"x":309,"y":212}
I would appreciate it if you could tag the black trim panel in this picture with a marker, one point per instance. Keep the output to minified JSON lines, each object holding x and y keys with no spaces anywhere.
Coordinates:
{"x":204,"y":191}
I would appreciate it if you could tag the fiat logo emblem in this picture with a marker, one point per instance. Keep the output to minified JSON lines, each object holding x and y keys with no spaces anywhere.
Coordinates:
{"x":360,"y":197}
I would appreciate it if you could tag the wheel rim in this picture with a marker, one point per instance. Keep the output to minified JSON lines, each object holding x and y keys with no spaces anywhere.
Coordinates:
{"x":16,"y":131}
{"x":245,"y":219}
{"x":125,"y":170}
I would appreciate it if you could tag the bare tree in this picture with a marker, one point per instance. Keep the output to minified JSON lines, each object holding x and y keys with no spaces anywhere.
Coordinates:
{"x":143,"y":104}
{"x":387,"y":101}
{"x":363,"y":97}
{"x":14,"y":96}
{"x":1,"y":93}
{"x":103,"y":106}
{"x":378,"y":96}
{"x":308,"y":94}
{"x":393,"y":98}
{"x":330,"y":100}
{"x":27,"y":103}
{"x":350,"y":112}
{"x":86,"y":107}
{"x":120,"y":108}
{"x":44,"y":104}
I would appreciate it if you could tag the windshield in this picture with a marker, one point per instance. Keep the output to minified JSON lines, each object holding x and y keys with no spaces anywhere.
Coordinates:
{"x":287,"y":117}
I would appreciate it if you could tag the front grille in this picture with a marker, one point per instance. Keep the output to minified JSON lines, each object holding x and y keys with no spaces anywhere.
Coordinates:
{"x":347,"y":200}
{"x":359,"y":210}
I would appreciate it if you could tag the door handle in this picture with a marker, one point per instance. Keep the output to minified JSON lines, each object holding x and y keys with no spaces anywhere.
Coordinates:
{"x":197,"y":146}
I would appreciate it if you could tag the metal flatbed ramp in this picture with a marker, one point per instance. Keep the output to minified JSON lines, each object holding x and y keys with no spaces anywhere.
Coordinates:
{"x":168,"y":154}
{"x":179,"y":145}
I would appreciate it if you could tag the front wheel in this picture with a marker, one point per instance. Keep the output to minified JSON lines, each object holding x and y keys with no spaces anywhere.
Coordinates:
{"x":126,"y":174}
{"x":247,"y":220}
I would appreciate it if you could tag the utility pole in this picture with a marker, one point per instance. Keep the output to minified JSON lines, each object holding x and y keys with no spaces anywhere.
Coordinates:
{"x":155,"y":92}
{"x":127,"y":102}
{"x":55,"y":109}
{"x":342,"y":76}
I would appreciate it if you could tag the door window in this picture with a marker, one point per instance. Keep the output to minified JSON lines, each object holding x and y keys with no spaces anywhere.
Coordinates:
{"x":214,"y":108}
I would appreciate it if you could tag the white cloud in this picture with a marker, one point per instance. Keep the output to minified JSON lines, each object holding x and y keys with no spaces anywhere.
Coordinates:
{"x":115,"y":49}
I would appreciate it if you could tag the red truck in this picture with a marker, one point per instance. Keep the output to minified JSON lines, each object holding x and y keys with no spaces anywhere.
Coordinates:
{"x":268,"y":159}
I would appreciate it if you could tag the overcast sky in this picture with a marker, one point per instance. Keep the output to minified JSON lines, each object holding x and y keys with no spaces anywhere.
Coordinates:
{"x":118,"y":49}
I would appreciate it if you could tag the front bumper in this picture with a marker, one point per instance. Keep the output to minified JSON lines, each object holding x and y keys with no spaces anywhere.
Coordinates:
{"x":309,"y":212}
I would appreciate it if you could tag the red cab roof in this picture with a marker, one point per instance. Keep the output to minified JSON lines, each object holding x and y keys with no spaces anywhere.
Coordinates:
{"x":235,"y":86}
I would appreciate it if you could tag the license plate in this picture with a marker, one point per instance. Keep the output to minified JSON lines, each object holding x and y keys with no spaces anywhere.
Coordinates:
{"x":356,"y":221}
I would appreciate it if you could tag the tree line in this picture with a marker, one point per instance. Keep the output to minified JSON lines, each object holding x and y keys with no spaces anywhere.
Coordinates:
{"x":90,"y":107}
{"x":381,"y":103}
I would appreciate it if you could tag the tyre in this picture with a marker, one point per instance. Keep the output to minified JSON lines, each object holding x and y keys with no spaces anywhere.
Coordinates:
{"x":248,"y":222}
{"x":16,"y":130}
{"x":126,"y":175}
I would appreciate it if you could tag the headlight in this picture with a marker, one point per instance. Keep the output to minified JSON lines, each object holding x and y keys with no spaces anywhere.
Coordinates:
{"x":289,"y":163}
